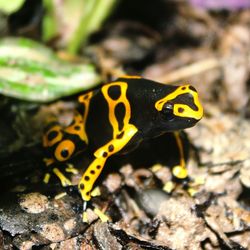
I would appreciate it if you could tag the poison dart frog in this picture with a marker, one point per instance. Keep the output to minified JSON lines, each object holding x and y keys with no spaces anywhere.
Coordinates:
{"x":115,"y":119}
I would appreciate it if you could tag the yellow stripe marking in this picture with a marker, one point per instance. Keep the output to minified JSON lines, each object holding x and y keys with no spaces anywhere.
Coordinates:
{"x":187,"y":111}
{"x":85,"y":100}
{"x":49,"y":143}
{"x":113,"y":103}
{"x":130,"y":77}
{"x":78,"y":121}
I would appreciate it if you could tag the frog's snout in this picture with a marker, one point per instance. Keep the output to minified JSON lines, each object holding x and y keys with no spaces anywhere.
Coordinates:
{"x":188,"y":104}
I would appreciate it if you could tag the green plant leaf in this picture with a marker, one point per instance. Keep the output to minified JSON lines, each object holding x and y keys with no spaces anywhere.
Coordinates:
{"x":72,"y":21}
{"x":31,"y":71}
{"x":95,"y":13}
{"x":9,"y":7}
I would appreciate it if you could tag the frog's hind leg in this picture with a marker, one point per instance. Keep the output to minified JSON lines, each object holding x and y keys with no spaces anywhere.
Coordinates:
{"x":60,"y":145}
{"x":53,"y":134}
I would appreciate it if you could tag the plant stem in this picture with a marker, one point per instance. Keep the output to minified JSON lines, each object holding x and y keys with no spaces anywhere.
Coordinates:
{"x":93,"y":15}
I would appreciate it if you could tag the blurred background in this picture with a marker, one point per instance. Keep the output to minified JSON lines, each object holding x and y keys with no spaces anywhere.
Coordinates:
{"x":52,"y":50}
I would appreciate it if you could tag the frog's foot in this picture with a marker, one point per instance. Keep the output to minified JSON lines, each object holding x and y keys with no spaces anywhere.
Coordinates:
{"x":61,"y":173}
{"x":195,"y":184}
{"x":179,"y":175}
{"x":87,"y":204}
{"x":192,"y":185}
{"x":100,"y":214}
{"x":64,"y":180}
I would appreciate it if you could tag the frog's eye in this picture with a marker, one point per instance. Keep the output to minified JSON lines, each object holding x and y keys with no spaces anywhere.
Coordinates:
{"x":168,"y":111}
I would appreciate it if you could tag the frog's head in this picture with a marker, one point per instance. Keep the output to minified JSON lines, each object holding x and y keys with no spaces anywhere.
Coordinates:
{"x":180,"y":109}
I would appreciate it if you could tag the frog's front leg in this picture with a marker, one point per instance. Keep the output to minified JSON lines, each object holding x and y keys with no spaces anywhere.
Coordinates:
{"x":101,"y":155}
{"x":180,"y":170}
{"x":63,"y":179}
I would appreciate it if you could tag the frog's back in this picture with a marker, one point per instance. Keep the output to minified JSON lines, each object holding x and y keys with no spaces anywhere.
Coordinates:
{"x":116,"y":104}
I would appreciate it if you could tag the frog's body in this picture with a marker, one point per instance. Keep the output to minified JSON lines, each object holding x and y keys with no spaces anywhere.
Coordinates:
{"x":116,"y":118}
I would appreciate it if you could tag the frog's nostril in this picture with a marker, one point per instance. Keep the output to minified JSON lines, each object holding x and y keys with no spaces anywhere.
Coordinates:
{"x":180,"y":110}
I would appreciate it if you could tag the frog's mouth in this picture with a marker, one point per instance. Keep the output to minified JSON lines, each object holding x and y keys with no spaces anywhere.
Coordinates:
{"x":180,"y":123}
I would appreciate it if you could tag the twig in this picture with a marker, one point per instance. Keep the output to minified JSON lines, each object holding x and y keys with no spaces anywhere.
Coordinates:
{"x":230,"y":163}
{"x":190,"y":70}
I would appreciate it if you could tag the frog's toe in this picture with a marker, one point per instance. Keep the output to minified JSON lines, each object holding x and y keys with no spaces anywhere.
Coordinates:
{"x":71,"y":169}
{"x":64,"y":180}
{"x":180,"y":172}
{"x":169,"y":186}
{"x":99,"y":213}
{"x":46,"y":178}
{"x":195,"y":185}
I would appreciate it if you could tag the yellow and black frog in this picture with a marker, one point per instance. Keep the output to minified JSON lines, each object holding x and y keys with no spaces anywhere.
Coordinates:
{"x":115,"y":119}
